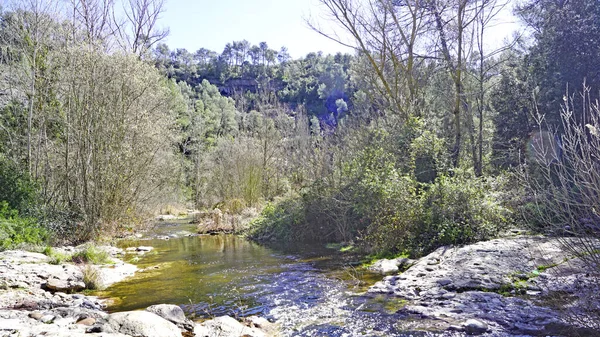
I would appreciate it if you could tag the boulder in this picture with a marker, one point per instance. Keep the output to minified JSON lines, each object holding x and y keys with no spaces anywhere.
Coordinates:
{"x":65,"y":284}
{"x":389,"y":266}
{"x":475,"y":327}
{"x":173,"y":314}
{"x":469,"y":284}
{"x":385,"y":266}
{"x":140,"y":324}
{"x":117,"y":272}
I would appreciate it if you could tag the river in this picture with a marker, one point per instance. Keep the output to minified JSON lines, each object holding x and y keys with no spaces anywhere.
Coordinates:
{"x":309,"y":290}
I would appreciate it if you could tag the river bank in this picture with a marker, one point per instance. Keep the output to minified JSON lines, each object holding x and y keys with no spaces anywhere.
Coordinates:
{"x":38,"y":298}
{"x":511,"y":286}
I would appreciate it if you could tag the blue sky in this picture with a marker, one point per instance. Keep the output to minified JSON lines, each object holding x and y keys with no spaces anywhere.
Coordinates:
{"x":213,"y":23}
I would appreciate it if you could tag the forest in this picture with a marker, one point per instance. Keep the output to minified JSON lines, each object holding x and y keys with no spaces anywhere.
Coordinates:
{"x":429,"y":134}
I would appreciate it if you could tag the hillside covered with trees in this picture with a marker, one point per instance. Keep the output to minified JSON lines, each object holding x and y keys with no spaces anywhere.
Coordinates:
{"x":425,"y":136}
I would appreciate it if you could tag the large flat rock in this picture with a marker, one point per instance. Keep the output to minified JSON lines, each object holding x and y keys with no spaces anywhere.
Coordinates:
{"x":492,"y":283}
{"x":141,"y":324}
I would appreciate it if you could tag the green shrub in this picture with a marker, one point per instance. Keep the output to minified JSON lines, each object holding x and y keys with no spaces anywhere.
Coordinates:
{"x":460,"y":209}
{"x":17,"y":189}
{"x":278,"y":222}
{"x":56,"y":257}
{"x":16,"y":230}
{"x":389,"y":202}
{"x":91,"y":254}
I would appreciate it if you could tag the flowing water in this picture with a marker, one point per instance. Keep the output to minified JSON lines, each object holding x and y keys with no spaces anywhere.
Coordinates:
{"x":307,"y":289}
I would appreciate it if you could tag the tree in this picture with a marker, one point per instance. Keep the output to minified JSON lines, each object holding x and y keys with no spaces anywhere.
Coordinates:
{"x":95,"y":18}
{"x":112,"y":157}
{"x":385,"y":34}
{"x":566,"y":52}
{"x":397,"y":38}
{"x":140,"y":29}
{"x":27,"y":34}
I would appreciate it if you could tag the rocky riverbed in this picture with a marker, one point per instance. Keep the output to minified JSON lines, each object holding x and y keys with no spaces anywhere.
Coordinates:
{"x":515,"y":286}
{"x":40,"y":299}
{"x":504,"y":287}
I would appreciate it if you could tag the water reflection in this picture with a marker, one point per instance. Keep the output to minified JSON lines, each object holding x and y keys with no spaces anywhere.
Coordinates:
{"x":227,"y":275}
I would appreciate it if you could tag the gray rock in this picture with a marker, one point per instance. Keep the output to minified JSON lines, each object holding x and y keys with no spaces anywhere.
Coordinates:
{"x":47,"y":319}
{"x":57,"y":284}
{"x":141,"y":324}
{"x":475,"y":327}
{"x":385,"y":266}
{"x":475,"y":273}
{"x":173,"y":314}
{"x":225,"y":326}
{"x":444,"y":282}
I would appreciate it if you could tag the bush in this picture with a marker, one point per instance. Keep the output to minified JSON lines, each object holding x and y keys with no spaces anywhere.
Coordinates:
{"x":56,"y":257}
{"x":91,"y":254}
{"x":17,"y":189}
{"x":278,"y":222}
{"x":562,"y":189}
{"x":91,"y":277}
{"x":16,"y":230}
{"x":389,"y":202}
{"x":460,"y":209}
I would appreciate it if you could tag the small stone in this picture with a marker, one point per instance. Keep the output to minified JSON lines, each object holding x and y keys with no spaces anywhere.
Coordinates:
{"x":449,"y":296}
{"x":47,"y":319}
{"x":456,"y":328}
{"x":475,"y":327}
{"x":444,"y":282}
{"x":94,"y":329}
{"x":87,"y":321}
{"x":36,"y":315}
{"x":89,"y":304}
{"x":64,"y":285}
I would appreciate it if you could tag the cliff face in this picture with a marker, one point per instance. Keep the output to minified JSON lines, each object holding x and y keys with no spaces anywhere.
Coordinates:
{"x":242,"y":85}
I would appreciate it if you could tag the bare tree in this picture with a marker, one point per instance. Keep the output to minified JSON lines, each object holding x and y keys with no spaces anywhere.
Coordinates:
{"x":562,"y":182}
{"x":387,"y":36}
{"x":95,"y":18}
{"x":140,"y":30}
{"x":396,"y":37}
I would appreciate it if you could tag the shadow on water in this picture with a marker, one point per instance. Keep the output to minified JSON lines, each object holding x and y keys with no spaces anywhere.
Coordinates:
{"x":303,"y":287}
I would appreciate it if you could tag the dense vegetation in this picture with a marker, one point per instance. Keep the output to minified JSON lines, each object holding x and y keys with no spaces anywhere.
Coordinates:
{"x":426,"y":136}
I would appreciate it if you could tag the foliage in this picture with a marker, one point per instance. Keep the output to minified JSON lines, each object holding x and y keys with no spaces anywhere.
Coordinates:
{"x":373,"y":198}
{"x":55,"y":256}
{"x":562,"y":185}
{"x":91,"y":254}
{"x":16,"y":230}
{"x":91,"y":277}
{"x":278,"y":222}
{"x":17,"y":189}
{"x":565,"y":52}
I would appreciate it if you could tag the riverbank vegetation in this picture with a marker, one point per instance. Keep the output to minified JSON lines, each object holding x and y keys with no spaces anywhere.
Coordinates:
{"x":430,"y":134}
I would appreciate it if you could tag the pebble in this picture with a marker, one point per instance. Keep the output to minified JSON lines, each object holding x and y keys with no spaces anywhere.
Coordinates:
{"x":475,"y":327}
{"x":87,"y":321}
{"x":47,"y":319}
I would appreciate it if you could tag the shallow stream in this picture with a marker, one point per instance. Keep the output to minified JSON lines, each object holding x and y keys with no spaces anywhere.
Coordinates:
{"x":306,"y":289}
